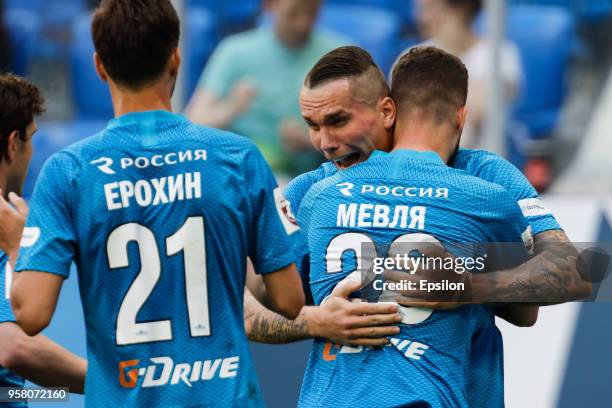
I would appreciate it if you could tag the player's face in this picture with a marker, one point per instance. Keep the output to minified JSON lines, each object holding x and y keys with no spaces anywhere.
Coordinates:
{"x":295,"y":20}
{"x":345,"y":130}
{"x":18,"y":169}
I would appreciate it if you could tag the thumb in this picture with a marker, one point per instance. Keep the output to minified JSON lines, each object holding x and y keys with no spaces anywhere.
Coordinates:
{"x":348,"y":285}
{"x":19,"y":203}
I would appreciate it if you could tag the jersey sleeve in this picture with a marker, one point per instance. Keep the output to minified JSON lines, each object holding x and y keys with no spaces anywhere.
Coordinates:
{"x":6,"y":313}
{"x":273,"y":225}
{"x":511,"y":236}
{"x":499,"y":171}
{"x":48,"y":243}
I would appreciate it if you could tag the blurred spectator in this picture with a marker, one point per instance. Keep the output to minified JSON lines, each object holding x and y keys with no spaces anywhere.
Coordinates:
{"x":5,"y":43}
{"x":449,"y":24}
{"x":252,"y":82}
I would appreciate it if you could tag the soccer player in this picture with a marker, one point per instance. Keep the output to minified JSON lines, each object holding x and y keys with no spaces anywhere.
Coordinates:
{"x":36,"y":358}
{"x":159,"y":216}
{"x":397,"y":201}
{"x":346,"y":127}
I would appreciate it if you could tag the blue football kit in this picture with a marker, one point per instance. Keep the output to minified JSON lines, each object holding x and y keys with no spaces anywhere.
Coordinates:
{"x":485,"y":387}
{"x":159,"y":216}
{"x":7,"y":377}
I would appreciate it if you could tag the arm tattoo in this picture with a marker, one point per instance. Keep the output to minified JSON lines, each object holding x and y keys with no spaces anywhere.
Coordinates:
{"x":264,"y":326}
{"x":550,"y":277}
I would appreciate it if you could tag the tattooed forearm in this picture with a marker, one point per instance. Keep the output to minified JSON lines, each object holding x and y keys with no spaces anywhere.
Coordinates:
{"x":265,"y":326}
{"x":550,"y":277}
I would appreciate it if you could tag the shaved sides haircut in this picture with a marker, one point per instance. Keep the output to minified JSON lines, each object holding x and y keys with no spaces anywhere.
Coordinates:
{"x":353,"y":63}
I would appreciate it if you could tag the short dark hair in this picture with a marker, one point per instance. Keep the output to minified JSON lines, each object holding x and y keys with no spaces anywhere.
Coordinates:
{"x":135,"y":38}
{"x":472,"y":7}
{"x":346,"y":62}
{"x":20,"y":102}
{"x":431,"y":80}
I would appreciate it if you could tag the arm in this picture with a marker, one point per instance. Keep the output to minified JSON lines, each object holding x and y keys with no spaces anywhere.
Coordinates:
{"x":40,"y":360}
{"x":34,"y":298}
{"x":11,"y":227}
{"x":338,"y":320}
{"x":283,"y":292}
{"x":205,"y":108}
{"x":550,"y":277}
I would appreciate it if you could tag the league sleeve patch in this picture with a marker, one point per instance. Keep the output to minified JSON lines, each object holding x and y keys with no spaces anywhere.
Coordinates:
{"x":283,"y":206}
{"x":527,"y":237}
{"x":30,"y":237}
{"x":533,"y":207}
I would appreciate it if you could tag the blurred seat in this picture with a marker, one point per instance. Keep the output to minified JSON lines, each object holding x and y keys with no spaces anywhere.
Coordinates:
{"x":201,"y":38}
{"x":545,"y":37}
{"x":230,"y":13}
{"x":55,"y":21}
{"x":54,"y":136}
{"x":91,"y":95}
{"x":23,"y":26}
{"x":589,"y":10}
{"x":402,"y":8}
{"x":375,"y":29}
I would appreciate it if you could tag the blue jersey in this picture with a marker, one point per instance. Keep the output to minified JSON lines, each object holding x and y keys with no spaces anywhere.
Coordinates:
{"x":486,"y":383}
{"x":159,"y":216}
{"x":7,"y":378}
{"x":392,"y":198}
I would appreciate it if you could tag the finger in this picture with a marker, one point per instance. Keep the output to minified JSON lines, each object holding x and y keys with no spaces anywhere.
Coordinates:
{"x":19,"y":203}
{"x":347,"y":286}
{"x":365,"y":308}
{"x":368,"y":342}
{"x":374,"y":320}
{"x":374,"y":332}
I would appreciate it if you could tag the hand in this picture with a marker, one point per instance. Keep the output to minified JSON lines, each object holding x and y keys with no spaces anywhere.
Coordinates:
{"x":242,"y":96}
{"x":354,"y":324}
{"x":294,"y":135}
{"x":13,"y":221}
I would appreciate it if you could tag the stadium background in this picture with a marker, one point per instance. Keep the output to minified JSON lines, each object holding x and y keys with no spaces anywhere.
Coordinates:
{"x":566,"y":48}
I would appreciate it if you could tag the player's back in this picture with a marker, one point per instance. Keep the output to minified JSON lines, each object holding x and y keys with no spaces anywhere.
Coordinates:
{"x":163,"y":215}
{"x":401,"y":197}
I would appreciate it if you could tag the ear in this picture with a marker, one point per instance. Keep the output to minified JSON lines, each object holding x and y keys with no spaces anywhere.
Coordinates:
{"x":461,"y":117}
{"x":11,"y":146}
{"x":175,"y":62}
{"x":100,"y":70}
{"x":388,"y":110}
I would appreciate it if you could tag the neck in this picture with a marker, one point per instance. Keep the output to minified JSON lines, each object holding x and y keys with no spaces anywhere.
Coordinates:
{"x":423,"y":136}
{"x":3,"y":183}
{"x":147,"y":99}
{"x":456,"y":38}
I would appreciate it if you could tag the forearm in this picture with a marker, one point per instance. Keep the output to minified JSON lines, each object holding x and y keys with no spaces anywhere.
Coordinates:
{"x":550,"y":277}
{"x":40,"y":360}
{"x":218,"y":114}
{"x":49,"y":365}
{"x":264,"y":326}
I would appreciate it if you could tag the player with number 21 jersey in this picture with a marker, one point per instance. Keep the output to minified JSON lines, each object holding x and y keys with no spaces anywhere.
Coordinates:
{"x":159,"y":216}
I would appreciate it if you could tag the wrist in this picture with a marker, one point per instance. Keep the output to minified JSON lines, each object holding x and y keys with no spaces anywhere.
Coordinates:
{"x":309,"y":317}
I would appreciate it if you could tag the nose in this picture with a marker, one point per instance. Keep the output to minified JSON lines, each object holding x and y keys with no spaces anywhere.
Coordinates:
{"x":329,"y":143}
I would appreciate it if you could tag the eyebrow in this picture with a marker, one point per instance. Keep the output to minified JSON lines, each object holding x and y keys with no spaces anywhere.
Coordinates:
{"x":330,"y":118}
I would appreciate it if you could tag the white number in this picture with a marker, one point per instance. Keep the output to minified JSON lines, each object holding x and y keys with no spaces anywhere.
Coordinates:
{"x":189,"y":239}
{"x":365,"y":251}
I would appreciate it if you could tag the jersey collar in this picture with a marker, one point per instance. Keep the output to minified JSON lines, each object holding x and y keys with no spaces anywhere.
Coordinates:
{"x":145,"y":117}
{"x":412,"y":154}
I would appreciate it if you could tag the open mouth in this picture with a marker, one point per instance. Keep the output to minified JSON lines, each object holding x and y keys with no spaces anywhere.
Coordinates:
{"x":346,"y":161}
